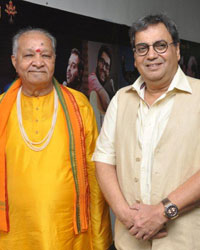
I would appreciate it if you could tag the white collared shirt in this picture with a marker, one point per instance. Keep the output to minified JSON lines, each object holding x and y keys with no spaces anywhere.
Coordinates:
{"x":150,"y":124}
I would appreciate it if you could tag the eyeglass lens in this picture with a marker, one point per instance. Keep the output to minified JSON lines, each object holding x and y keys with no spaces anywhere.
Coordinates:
{"x":158,"y":46}
{"x":107,"y":66}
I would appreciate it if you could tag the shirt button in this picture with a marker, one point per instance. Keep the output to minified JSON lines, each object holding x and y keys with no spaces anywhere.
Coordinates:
{"x":36,"y":131}
{"x":37,"y":108}
{"x":138,"y":159}
{"x":136,"y":179}
{"x":36,"y":120}
{"x":157,"y":150}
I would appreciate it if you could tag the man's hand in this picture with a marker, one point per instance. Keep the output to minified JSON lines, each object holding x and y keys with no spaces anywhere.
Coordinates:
{"x":127,"y":217}
{"x":148,"y":221}
{"x":160,"y":234}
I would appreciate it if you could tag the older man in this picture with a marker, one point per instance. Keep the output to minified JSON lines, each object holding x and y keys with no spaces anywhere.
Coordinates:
{"x":149,"y":145}
{"x":49,"y":198}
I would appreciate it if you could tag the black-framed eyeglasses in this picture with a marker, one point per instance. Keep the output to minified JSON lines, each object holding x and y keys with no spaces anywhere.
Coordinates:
{"x":104,"y":63}
{"x":159,"y":46}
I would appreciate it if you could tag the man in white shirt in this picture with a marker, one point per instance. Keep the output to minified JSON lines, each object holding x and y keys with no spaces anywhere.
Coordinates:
{"x":149,"y":146}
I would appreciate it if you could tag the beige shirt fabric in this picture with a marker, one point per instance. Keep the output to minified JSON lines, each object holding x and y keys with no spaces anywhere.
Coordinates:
{"x":150,"y":124}
{"x":175,"y":154}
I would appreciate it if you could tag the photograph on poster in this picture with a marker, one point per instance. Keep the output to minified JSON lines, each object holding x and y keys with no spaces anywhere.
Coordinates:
{"x":190,"y":58}
{"x":74,"y":76}
{"x":103,"y":77}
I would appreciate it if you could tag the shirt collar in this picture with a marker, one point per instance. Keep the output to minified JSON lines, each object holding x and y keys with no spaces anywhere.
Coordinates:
{"x":179,"y":82}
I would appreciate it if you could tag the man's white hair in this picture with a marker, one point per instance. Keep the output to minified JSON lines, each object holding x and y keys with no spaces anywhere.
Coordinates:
{"x":15,"y":40}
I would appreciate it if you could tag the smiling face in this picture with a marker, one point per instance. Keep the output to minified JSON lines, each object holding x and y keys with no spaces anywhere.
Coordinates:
{"x":34,"y":61}
{"x":103,"y":68}
{"x":157,"y":69}
{"x":72,"y":73}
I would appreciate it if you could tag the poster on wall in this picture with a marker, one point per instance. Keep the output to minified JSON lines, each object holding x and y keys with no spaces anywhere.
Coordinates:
{"x":190,"y":58}
{"x":103,"y":76}
{"x":93,"y":56}
{"x":71,"y":31}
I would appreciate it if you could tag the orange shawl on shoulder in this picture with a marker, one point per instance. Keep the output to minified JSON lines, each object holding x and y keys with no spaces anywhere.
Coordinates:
{"x":76,"y":134}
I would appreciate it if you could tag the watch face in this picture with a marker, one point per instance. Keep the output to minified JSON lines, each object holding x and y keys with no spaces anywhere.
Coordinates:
{"x":171,"y":211}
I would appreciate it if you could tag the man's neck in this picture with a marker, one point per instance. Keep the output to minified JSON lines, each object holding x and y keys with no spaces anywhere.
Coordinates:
{"x":32,"y":90}
{"x":153,"y":92}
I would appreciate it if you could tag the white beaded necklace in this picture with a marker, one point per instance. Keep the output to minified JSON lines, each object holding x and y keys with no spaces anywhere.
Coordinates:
{"x":45,"y":141}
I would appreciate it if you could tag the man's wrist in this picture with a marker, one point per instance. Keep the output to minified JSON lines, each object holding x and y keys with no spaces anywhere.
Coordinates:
{"x":170,"y":209}
{"x":161,"y":214}
{"x":120,"y":212}
{"x":124,"y":215}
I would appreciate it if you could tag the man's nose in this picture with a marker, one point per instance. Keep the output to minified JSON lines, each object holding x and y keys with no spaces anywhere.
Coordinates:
{"x":38,"y":61}
{"x":152,"y":53}
{"x":104,"y":67}
{"x":69,"y":67}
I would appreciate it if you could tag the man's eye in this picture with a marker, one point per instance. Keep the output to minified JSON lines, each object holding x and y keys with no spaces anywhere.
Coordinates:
{"x":141,"y":49}
{"x":161,"y":45}
{"x":28,"y":55}
{"x":46,"y":56}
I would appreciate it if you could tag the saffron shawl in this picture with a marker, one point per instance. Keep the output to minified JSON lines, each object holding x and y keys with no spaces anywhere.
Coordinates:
{"x":76,"y":140}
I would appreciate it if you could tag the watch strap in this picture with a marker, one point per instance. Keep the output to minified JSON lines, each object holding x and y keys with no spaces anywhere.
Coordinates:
{"x":165,"y":201}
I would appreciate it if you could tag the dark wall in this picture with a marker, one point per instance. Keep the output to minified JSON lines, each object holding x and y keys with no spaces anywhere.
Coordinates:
{"x":69,"y":29}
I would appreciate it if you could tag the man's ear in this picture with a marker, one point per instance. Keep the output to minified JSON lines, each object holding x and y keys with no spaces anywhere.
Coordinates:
{"x":13,"y":59}
{"x":134,"y":56}
{"x":135,"y":64}
{"x":178,"y":51}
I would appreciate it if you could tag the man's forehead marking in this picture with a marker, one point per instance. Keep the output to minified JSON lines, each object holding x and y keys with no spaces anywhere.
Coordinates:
{"x":37,"y":50}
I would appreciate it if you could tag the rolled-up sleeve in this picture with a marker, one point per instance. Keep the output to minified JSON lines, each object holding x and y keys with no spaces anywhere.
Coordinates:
{"x":105,"y":146}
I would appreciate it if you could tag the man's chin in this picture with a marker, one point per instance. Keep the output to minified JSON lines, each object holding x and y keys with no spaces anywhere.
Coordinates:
{"x":68,"y":80}
{"x":102,"y":80}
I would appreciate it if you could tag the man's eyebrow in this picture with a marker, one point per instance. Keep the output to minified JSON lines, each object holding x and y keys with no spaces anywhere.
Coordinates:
{"x":29,"y":49}
{"x":46,"y":50}
{"x":41,"y":50}
{"x":74,"y":63}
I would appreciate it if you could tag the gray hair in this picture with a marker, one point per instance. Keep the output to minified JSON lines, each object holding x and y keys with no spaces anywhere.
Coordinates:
{"x":21,"y":32}
{"x":144,"y":22}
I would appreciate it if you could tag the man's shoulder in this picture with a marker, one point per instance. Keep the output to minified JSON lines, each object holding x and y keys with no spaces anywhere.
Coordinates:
{"x":125,"y":91}
{"x":193,"y":80}
{"x":194,"y":83}
{"x":84,"y":106}
{"x":80,"y":98}
{"x":2,"y":95}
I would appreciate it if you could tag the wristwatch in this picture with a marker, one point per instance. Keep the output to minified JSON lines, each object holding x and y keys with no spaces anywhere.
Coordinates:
{"x":171,"y":210}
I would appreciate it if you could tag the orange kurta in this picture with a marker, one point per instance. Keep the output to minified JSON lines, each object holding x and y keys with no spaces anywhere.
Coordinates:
{"x":40,"y":184}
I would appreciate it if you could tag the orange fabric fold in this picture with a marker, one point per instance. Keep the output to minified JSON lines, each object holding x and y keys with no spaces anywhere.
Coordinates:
{"x":5,"y":107}
{"x":81,"y":201}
